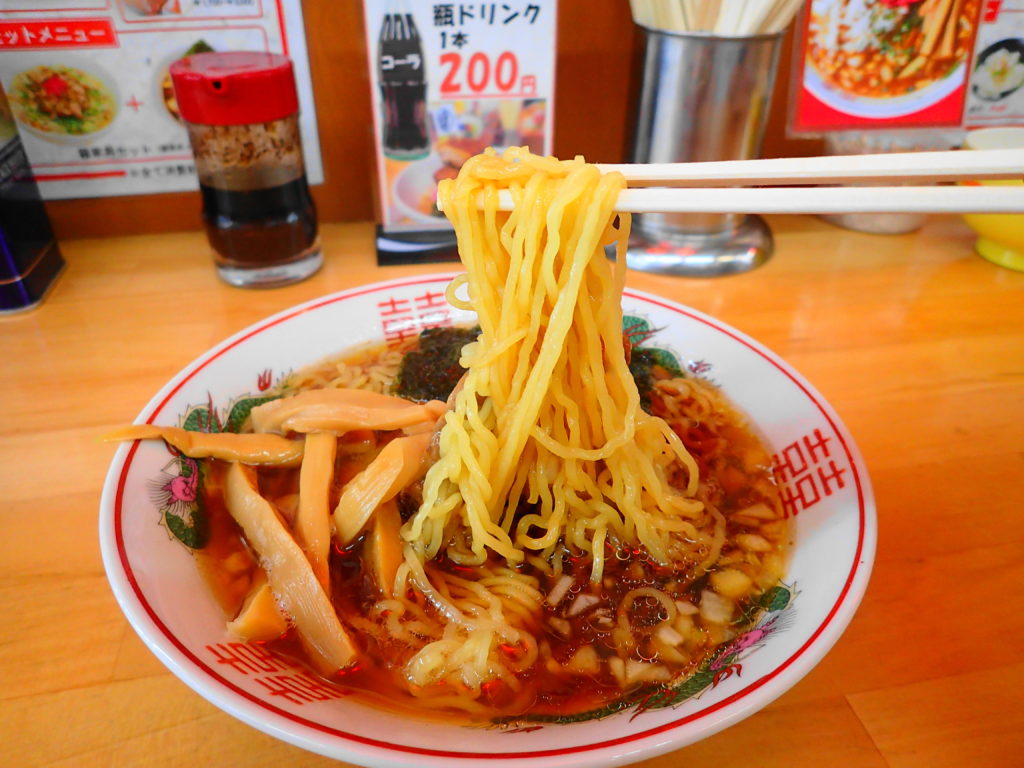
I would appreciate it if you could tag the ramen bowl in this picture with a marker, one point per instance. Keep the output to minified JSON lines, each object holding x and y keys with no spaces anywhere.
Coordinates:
{"x":145,"y":537}
{"x":1000,"y":235}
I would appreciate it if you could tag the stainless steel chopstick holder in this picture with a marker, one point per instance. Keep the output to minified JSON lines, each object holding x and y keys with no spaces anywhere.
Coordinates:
{"x":703,"y":97}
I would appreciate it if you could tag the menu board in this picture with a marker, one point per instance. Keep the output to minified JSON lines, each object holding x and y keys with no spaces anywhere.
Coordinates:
{"x":449,"y":80}
{"x":89,"y":86}
{"x":996,"y":94}
{"x":883,"y":64}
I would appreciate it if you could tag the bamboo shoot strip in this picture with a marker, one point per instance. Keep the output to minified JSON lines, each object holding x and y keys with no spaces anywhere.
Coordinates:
{"x":228,"y":446}
{"x":341,"y":410}
{"x":313,"y":520}
{"x":298,"y":592}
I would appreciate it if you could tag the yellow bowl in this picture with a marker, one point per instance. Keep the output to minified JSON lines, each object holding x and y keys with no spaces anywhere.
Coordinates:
{"x":1000,"y":236}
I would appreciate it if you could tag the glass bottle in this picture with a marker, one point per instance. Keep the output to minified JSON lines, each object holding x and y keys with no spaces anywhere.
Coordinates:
{"x":241,"y":111}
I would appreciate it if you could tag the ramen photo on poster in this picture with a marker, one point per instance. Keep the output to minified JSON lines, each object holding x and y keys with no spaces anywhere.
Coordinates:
{"x":887,"y":58}
{"x":62,"y":101}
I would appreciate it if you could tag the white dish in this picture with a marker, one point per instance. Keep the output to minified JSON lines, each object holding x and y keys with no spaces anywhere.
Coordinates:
{"x":166,"y":601}
{"x":896,"y":106}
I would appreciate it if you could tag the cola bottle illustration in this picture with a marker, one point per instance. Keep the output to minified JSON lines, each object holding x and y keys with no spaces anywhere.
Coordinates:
{"x":403,"y":86}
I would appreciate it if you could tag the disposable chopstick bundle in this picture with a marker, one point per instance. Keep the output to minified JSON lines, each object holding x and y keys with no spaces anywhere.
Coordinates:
{"x":725,"y":18}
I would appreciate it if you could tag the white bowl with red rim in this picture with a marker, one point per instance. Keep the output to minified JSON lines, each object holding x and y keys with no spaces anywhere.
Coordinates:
{"x":824,"y":482}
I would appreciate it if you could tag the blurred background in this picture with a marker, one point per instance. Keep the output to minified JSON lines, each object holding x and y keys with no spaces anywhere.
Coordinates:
{"x":599,"y":59}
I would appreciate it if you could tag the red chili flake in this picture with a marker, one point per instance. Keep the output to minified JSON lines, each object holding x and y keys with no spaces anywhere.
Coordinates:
{"x":510,"y":650}
{"x":55,"y":85}
{"x":347,"y":672}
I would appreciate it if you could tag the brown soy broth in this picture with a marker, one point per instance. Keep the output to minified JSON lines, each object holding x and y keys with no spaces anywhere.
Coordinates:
{"x":226,"y":562}
{"x":735,"y":474}
{"x":253,"y":227}
{"x":378,"y":673}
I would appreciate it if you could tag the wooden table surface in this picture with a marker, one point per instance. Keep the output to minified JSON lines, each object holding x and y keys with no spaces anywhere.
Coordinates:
{"x":917,"y":343}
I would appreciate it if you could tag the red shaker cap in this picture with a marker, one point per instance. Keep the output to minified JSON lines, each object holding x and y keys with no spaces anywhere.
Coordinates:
{"x":234,"y":88}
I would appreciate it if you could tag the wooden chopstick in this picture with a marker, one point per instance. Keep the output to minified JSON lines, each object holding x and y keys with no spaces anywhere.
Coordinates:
{"x":969,"y":199}
{"x":958,"y":199}
{"x":723,"y":187}
{"x":897,"y":166}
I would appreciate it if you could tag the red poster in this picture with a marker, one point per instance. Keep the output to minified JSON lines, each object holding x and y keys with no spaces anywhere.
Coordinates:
{"x":882,"y":64}
{"x":58,"y":33}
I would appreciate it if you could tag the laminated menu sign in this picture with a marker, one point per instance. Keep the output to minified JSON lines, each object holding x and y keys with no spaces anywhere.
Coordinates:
{"x":89,"y":86}
{"x":883,"y":64}
{"x":996,"y":95}
{"x":449,"y":80}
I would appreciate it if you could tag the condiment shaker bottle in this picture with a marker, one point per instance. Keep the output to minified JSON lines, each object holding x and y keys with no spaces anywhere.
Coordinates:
{"x":241,"y":110}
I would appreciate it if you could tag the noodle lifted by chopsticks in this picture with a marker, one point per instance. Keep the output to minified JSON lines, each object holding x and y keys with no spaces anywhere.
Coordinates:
{"x":547,"y":444}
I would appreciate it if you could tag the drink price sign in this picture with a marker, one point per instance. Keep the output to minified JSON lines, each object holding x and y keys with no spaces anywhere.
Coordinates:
{"x":449,"y":80}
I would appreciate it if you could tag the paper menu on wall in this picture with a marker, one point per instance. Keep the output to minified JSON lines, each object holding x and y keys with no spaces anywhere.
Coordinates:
{"x":449,"y":79}
{"x":118,"y":131}
{"x":996,"y":95}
